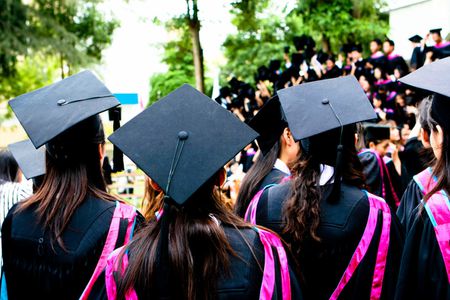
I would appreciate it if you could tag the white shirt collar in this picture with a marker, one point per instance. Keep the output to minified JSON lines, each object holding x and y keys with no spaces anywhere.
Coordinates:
{"x":280,"y":165}
{"x":326,"y":173}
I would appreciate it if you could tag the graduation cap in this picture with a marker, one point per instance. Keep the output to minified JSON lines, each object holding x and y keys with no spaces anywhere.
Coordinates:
{"x":263,"y":73}
{"x":436,"y":30}
{"x":182,"y":140}
{"x":30,"y":160}
{"x":434,"y":78}
{"x":356,"y":47}
{"x":297,"y":59}
{"x":320,"y":106}
{"x":47,"y":112}
{"x":415,"y":38}
{"x":375,"y":132}
{"x":269,"y":122}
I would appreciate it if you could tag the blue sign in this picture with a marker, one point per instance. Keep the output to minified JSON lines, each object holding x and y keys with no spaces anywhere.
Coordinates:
{"x":127,"y":98}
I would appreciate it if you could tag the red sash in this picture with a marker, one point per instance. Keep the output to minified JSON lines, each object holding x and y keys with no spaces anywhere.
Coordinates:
{"x":376,"y":204}
{"x":438,"y":210}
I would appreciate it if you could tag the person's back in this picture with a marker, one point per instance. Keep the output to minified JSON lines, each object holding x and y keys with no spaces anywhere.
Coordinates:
{"x":49,"y":270}
{"x":56,"y":241}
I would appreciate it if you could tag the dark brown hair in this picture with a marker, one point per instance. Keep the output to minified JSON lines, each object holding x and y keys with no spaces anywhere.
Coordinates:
{"x":67,"y":183}
{"x":301,"y":212}
{"x":441,"y":168}
{"x":255,"y":175}
{"x":198,"y":249}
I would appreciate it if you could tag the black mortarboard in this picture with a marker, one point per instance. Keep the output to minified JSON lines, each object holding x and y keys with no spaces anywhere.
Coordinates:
{"x":436,"y":30}
{"x":314,"y":107}
{"x":434,"y":78}
{"x":263,"y":73}
{"x":186,"y":128}
{"x":269,"y":122}
{"x":415,"y":39}
{"x":320,"y":106}
{"x":47,"y":112}
{"x":297,"y":59}
{"x":30,"y":160}
{"x":357,"y":48}
{"x":375,"y":132}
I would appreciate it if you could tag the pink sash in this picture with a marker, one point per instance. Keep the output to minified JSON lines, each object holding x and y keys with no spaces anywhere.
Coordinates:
{"x":425,"y":180}
{"x":376,"y":204}
{"x":122,"y":211}
{"x":438,"y":210}
{"x":268,"y":239}
{"x":250,"y":214}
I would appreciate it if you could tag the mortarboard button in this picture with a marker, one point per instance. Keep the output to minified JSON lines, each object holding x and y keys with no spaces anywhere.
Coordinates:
{"x":325,"y":101}
{"x":61,"y":102}
{"x":183,"y":135}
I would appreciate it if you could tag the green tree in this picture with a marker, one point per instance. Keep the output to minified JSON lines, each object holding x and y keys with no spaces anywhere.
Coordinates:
{"x":178,"y":57}
{"x":72,"y":33}
{"x":334,"y":23}
{"x":261,"y":35}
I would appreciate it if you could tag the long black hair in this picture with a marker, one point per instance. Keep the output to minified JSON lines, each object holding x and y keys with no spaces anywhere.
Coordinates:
{"x":255,"y":175}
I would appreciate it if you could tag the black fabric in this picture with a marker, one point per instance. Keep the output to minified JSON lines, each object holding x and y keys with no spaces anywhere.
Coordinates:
{"x":415,"y":157}
{"x":31,"y":160}
{"x":47,"y":112}
{"x":410,"y":200}
{"x":274,"y":177}
{"x":417,"y":58}
{"x":30,"y":262}
{"x":245,"y":275}
{"x":374,"y":182}
{"x":422,"y":272}
{"x":342,"y":223}
{"x":399,"y":181}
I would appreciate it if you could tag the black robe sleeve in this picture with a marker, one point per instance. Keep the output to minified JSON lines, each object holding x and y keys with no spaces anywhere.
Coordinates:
{"x":422,"y":271}
{"x":410,"y":200}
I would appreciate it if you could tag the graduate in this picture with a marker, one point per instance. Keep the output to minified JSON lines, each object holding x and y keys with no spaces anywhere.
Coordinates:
{"x":393,"y":60}
{"x":55,"y":243}
{"x":441,"y":48}
{"x":425,"y":268}
{"x":278,"y":151}
{"x":31,"y":161}
{"x":347,"y":241}
{"x":417,"y":56}
{"x":195,"y":248}
{"x":379,"y":176}
{"x":377,"y":57}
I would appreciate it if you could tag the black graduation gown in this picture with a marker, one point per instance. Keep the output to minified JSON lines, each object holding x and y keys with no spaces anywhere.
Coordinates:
{"x":417,"y":58}
{"x":32,"y":268}
{"x":274,"y":177}
{"x":245,"y":275}
{"x":322,"y":264}
{"x":422,"y":272}
{"x":374,"y":181}
{"x":415,"y":157}
{"x":396,"y":62}
{"x":410,"y":200}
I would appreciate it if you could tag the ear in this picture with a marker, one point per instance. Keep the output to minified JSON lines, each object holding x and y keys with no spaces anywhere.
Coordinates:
{"x":101,"y":152}
{"x":222,"y":177}
{"x":287,"y":137}
{"x":440,"y":135}
{"x":372,"y":145}
{"x":424,"y":135}
{"x":154,"y":185}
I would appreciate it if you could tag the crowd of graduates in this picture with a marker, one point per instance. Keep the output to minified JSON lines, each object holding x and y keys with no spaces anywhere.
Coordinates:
{"x":394,"y":103}
{"x":339,"y":186}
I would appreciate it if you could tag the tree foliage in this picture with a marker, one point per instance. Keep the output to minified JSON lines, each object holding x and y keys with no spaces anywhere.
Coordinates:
{"x":261,"y":35}
{"x":178,"y":57}
{"x":70,"y":34}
